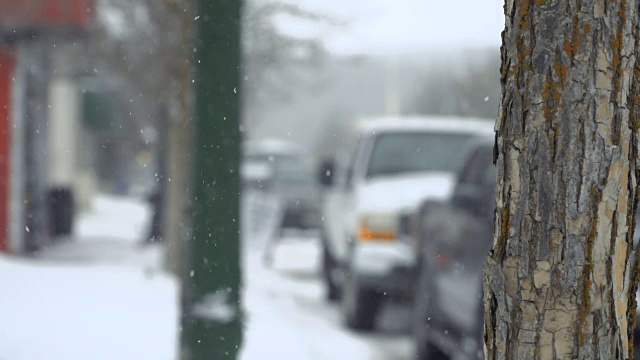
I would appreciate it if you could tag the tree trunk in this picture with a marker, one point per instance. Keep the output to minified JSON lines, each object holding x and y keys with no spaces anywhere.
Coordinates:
{"x":176,"y":204}
{"x":561,"y":278}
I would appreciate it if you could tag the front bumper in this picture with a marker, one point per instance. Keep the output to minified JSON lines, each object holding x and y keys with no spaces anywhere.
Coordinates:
{"x":386,"y":267}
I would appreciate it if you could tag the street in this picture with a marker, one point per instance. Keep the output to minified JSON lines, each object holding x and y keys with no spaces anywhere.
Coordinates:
{"x":103,"y":295}
{"x":289,"y":318}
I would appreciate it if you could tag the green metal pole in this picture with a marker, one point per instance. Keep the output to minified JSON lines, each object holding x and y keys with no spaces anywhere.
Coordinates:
{"x":212,"y":320}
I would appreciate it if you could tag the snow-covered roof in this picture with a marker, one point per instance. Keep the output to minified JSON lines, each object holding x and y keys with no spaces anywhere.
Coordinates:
{"x":433,"y":124}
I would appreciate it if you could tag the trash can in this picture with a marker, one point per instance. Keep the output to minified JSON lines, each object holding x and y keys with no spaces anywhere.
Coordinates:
{"x":61,"y":211}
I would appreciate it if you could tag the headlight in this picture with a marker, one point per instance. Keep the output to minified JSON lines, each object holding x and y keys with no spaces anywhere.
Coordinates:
{"x":378,"y":227}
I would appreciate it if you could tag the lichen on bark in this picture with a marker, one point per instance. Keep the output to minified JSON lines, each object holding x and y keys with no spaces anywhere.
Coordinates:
{"x":561,"y":278}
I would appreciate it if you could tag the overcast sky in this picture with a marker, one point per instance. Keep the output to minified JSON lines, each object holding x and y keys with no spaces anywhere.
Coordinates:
{"x":402,"y":26}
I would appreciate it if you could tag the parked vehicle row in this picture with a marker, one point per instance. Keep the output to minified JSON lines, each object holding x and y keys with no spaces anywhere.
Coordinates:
{"x":372,"y":202}
{"x":410,"y":216}
{"x":454,"y":237}
{"x":407,"y":214}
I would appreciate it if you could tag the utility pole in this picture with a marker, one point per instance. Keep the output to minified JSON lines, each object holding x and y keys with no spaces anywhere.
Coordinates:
{"x":212,"y":318}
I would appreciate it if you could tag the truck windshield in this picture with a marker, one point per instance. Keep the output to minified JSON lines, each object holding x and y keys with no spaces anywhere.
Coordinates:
{"x":398,"y":153}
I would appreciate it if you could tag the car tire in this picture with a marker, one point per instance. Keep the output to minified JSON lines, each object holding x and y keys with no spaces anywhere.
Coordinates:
{"x":359,"y":305}
{"x":328,"y":269}
{"x":427,"y":351}
{"x":424,"y":349}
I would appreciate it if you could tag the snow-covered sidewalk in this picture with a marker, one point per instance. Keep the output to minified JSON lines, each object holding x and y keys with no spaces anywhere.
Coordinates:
{"x":98,"y":295}
{"x":102,"y":295}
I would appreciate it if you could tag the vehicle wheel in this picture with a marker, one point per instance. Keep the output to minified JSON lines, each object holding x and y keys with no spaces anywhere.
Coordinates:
{"x":425,"y":350}
{"x":359,"y":305}
{"x":328,"y":269}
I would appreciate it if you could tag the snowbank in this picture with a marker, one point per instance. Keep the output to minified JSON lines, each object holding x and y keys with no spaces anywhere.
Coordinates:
{"x":85,"y":312}
{"x":98,"y":295}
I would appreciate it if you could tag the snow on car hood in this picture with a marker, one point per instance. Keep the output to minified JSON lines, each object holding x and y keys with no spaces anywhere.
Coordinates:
{"x":403,"y":192}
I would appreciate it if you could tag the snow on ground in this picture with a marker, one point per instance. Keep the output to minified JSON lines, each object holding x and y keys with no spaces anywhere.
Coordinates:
{"x":98,"y":295}
{"x":114,"y":218}
{"x":102,"y":295}
{"x":111,"y":232}
{"x":289,"y":318}
{"x":84,"y":312}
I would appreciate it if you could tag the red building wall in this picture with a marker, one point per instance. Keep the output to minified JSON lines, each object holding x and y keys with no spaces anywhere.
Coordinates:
{"x":28,"y":13}
{"x":7,"y":63}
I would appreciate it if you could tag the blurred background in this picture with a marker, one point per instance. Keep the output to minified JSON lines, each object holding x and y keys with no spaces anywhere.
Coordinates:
{"x":365,"y":166}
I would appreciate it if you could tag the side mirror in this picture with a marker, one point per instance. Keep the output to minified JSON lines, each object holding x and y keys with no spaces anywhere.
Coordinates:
{"x":326,"y":173}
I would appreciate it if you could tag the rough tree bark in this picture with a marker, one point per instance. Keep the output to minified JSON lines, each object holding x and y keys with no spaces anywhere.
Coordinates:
{"x":560,"y":280}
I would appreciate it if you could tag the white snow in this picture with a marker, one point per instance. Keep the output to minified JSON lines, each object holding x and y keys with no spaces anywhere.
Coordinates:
{"x":97,"y":296}
{"x":114,"y":218}
{"x":289,"y":318}
{"x":102,"y":295}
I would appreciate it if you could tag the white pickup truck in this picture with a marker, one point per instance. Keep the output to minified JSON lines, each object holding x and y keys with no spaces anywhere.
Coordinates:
{"x":394,"y":166}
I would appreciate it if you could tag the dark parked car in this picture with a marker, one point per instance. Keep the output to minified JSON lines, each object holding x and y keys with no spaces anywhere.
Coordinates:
{"x":455,"y":236}
{"x":285,"y":171}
